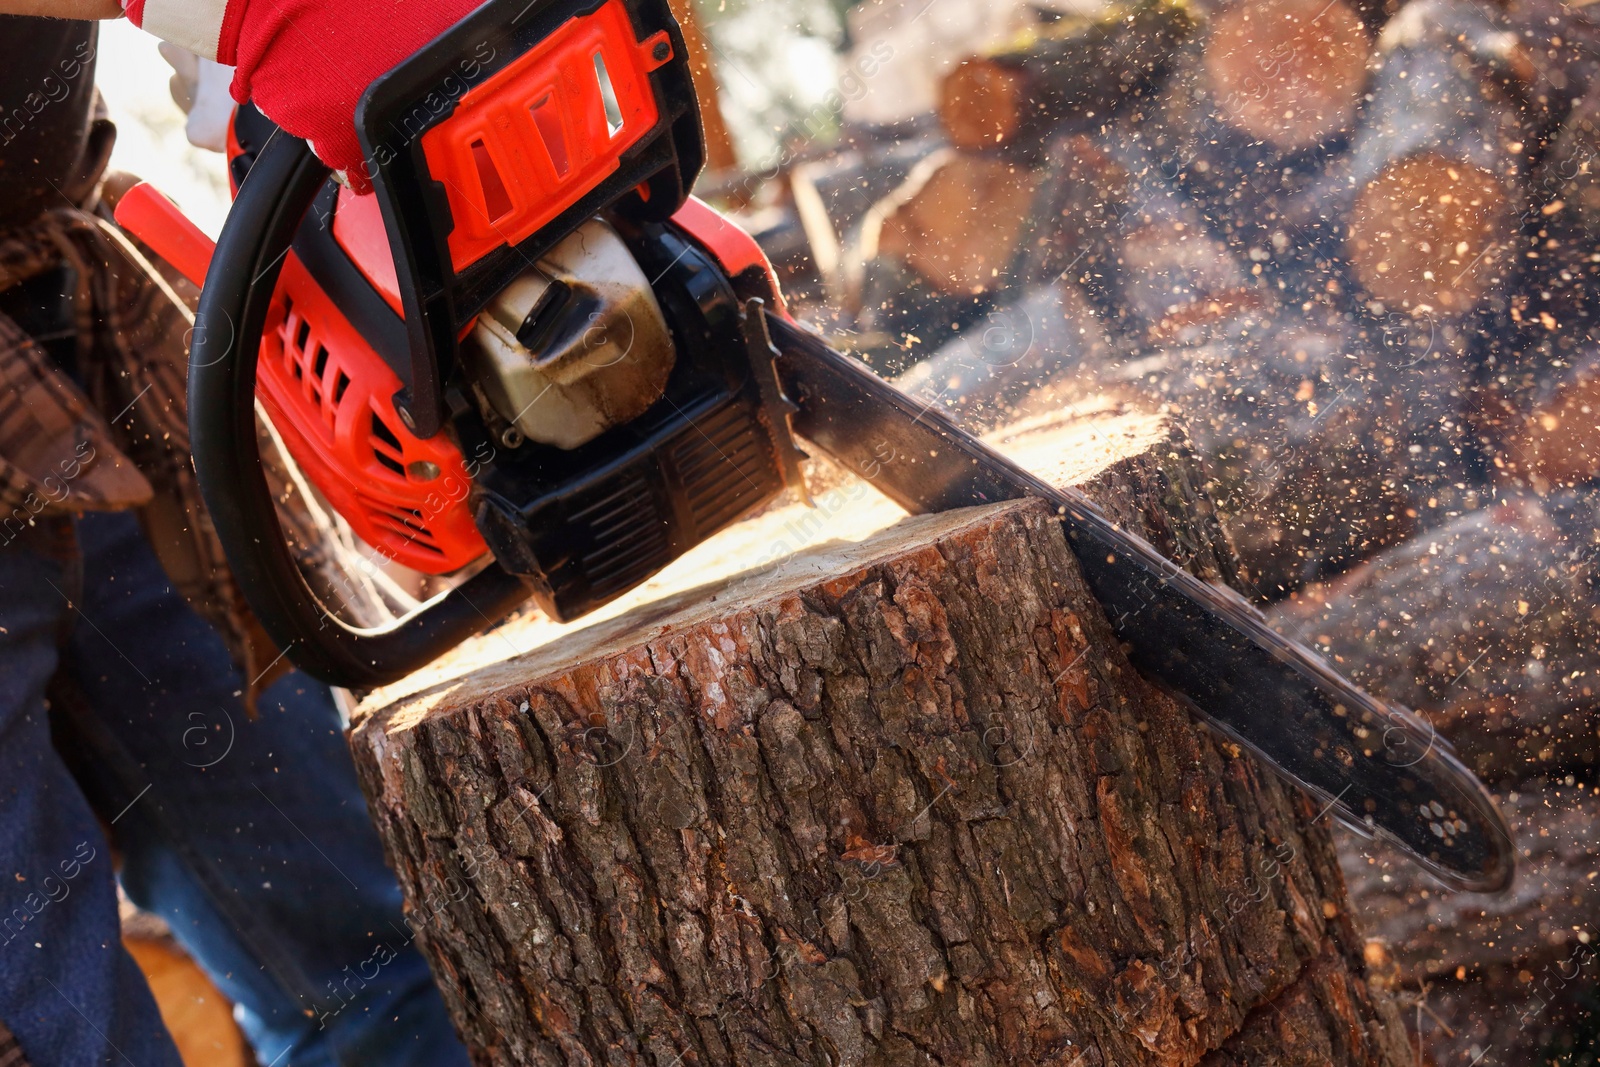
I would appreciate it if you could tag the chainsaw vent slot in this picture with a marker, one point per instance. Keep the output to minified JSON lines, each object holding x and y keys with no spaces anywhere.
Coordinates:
{"x":726,"y":468}
{"x":608,"y":96}
{"x":386,"y":446}
{"x":496,"y":200}
{"x":628,"y":538}
{"x":548,"y":120}
{"x":406,"y":523}
{"x":329,"y":395}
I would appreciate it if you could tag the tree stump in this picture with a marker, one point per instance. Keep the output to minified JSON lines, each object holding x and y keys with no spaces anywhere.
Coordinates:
{"x":897,"y":798}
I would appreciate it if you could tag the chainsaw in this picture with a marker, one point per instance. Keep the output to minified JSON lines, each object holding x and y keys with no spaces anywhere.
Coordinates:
{"x":534,"y":358}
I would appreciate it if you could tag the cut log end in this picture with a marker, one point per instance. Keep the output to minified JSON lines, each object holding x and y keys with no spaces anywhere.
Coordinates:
{"x":1428,"y":233}
{"x":981,"y":103}
{"x":1287,"y":71}
{"x":959,"y":227}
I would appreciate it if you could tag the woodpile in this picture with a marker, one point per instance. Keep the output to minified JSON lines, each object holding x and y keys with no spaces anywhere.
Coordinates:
{"x":1305,"y":209}
{"x":1489,"y":627}
{"x":1355,"y":247}
{"x":897,"y":798}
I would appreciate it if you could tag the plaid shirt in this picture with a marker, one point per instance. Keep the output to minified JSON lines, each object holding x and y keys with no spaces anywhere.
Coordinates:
{"x":10,"y":1052}
{"x":122,"y":440}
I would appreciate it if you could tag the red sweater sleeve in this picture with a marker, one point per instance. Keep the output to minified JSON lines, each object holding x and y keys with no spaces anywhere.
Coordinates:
{"x":305,"y":63}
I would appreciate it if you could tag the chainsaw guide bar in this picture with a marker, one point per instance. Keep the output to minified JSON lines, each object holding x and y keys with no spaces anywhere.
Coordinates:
{"x":1380,"y":767}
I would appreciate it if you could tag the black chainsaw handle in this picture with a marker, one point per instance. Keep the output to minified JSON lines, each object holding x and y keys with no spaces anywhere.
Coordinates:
{"x":272,"y":200}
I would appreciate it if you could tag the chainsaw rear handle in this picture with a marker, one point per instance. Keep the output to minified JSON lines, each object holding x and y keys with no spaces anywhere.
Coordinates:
{"x":273,"y":199}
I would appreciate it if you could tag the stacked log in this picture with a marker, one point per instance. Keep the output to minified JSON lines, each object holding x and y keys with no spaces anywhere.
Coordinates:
{"x":1440,"y":163}
{"x":895,"y":800}
{"x":1487,"y":626}
{"x":938,"y":253}
{"x":1076,"y":74}
{"x":1288,"y":72}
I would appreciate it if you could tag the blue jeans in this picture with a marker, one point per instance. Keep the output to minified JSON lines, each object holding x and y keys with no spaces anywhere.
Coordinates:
{"x":250,"y":838}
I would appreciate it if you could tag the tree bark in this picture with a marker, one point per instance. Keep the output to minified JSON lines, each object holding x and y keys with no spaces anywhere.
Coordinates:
{"x":897,"y":799}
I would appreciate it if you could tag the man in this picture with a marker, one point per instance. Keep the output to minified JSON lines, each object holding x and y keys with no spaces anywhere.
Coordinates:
{"x":222,"y":779}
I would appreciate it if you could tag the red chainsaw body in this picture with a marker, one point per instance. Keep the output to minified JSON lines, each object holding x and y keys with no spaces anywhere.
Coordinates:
{"x":329,"y":396}
{"x":519,"y":149}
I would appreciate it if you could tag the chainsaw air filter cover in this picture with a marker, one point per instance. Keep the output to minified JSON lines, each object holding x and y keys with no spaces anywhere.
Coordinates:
{"x":573,"y":347}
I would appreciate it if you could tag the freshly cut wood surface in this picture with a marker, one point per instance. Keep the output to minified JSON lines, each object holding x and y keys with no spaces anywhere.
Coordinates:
{"x":1129,"y":459}
{"x":892,"y":800}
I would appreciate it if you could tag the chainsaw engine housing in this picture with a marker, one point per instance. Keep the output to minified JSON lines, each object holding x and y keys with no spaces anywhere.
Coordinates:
{"x":572,"y":347}
{"x":586,"y":524}
{"x":532,"y":341}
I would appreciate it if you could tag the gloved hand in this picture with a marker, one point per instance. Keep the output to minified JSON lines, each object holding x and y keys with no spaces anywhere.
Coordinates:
{"x":305,"y":63}
{"x":200,"y":88}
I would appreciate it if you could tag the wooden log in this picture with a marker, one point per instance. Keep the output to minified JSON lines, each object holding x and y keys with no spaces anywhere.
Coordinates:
{"x":1072,"y":75}
{"x":1288,"y":72}
{"x":1554,"y":445}
{"x":1486,"y":625}
{"x":1141,"y":248}
{"x":1439,"y":165}
{"x":957,"y":221}
{"x":1085,"y":193}
{"x":1557,"y":303}
{"x":983,"y":103}
{"x":1019,"y":360}
{"x":1505,"y":980}
{"x":898,"y":799}
{"x":938,"y":253}
{"x":1420,"y":233}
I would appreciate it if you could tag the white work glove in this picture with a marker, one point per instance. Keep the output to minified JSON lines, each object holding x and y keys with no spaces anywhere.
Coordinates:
{"x":200,"y":88}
